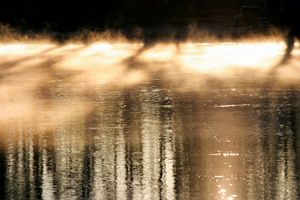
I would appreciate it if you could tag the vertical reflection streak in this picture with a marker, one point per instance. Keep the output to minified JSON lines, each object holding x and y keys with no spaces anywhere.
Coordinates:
{"x":98,"y":189}
{"x":281,"y":176}
{"x":150,"y":144}
{"x":167,"y":145}
{"x":120,"y":162}
{"x":169,"y":162}
{"x":271,"y":159}
{"x":134,"y":165}
{"x":47,"y":175}
{"x":291,"y":168}
{"x":20,"y":174}
{"x":286,"y":180}
{"x":10,"y":170}
{"x":181,"y":126}
{"x":69,"y":154}
{"x":261,"y":157}
{"x":109,"y":181}
{"x":17,"y":164}
{"x":120,"y":165}
{"x":32,"y":194}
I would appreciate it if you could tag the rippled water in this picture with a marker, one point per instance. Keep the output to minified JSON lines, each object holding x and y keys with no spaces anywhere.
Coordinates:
{"x":113,"y":122}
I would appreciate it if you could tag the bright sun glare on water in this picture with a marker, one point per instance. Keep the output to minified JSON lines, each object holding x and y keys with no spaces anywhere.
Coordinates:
{"x":129,"y":63}
{"x":202,"y":57}
{"x":223,"y":56}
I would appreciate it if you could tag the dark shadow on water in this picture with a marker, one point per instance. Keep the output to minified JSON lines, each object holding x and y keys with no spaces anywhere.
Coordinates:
{"x":10,"y":64}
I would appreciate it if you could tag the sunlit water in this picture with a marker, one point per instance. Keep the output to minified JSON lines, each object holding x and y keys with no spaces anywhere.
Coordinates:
{"x":171,"y":121}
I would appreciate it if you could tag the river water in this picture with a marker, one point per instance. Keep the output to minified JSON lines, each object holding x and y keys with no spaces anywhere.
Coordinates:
{"x":170,"y":121}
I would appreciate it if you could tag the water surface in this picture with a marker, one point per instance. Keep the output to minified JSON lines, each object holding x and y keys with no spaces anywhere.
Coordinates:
{"x":116,"y":121}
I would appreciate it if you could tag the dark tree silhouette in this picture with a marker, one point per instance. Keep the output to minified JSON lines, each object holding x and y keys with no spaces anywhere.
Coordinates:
{"x":283,"y":14}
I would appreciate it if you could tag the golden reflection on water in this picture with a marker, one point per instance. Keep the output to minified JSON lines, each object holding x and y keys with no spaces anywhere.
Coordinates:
{"x":107,"y":61}
{"x":220,"y":57}
{"x":124,"y":121}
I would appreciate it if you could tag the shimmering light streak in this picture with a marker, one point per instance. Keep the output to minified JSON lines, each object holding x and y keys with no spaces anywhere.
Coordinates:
{"x":103,"y":62}
{"x":223,"y":56}
{"x":159,"y":53}
{"x":109,"y":61}
{"x":224,"y":154}
{"x":15,"y":52}
{"x":23,"y":49}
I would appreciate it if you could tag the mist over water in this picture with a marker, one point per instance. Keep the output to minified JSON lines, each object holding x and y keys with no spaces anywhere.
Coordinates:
{"x":121,"y":120}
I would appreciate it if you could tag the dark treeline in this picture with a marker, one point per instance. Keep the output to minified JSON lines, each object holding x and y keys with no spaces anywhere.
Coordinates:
{"x":67,"y":15}
{"x":153,"y":18}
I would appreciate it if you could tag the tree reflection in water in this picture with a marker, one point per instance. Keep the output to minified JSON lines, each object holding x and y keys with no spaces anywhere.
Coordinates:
{"x":172,"y":135}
